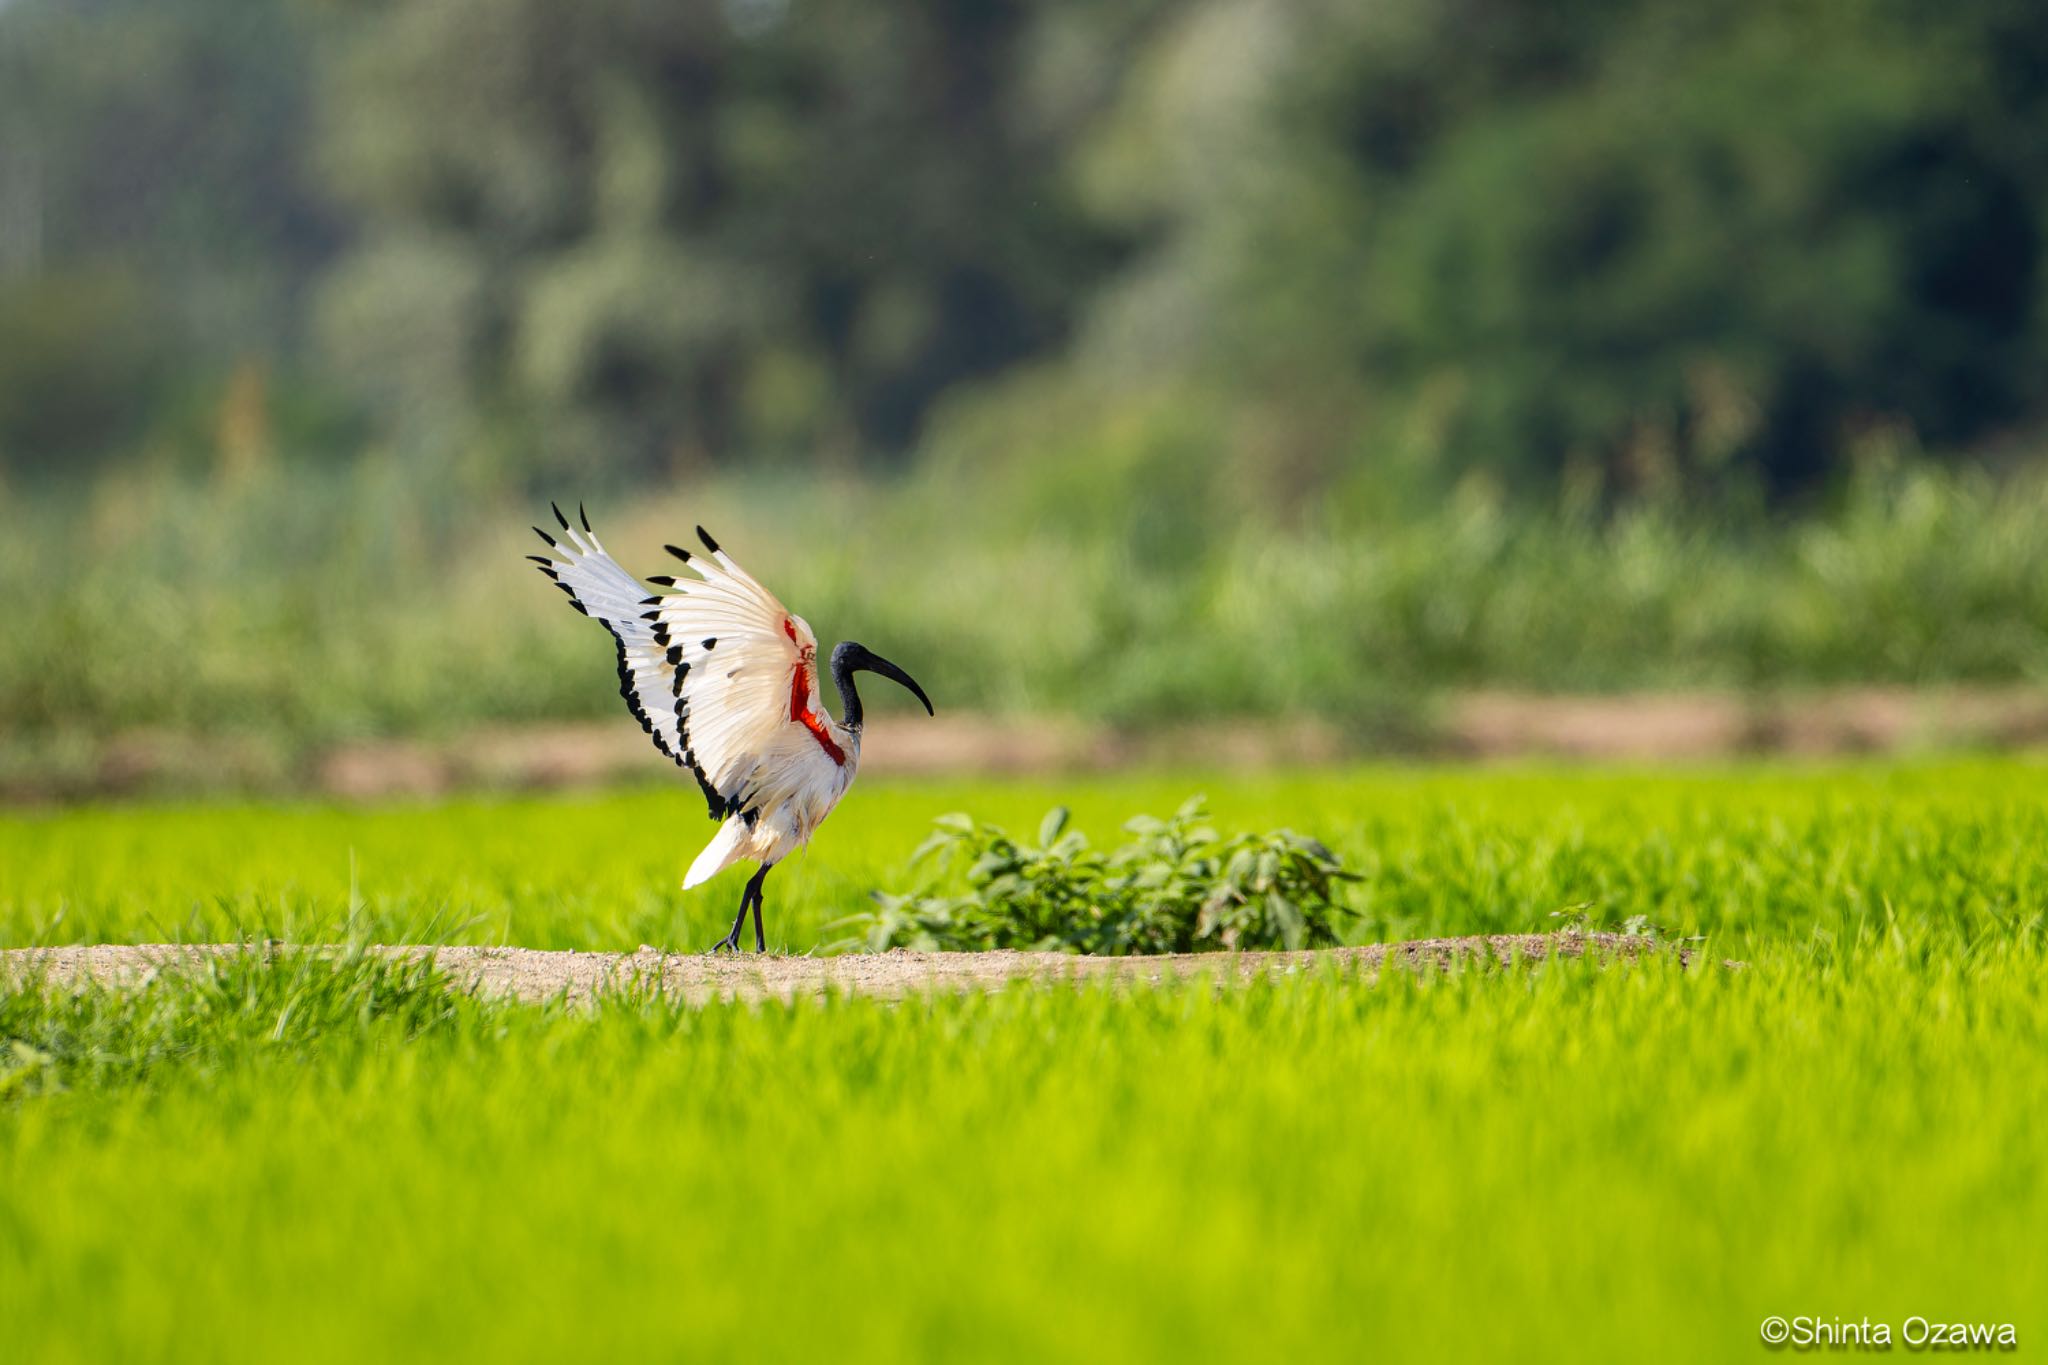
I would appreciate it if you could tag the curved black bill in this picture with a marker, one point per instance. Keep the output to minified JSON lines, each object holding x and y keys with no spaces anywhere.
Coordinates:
{"x":864,"y":658}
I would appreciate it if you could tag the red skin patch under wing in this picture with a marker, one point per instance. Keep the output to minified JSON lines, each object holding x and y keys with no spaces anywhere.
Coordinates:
{"x":800,"y":711}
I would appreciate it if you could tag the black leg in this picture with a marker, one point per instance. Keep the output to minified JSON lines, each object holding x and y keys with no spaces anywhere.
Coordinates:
{"x":760,"y":940}
{"x":732,"y":940}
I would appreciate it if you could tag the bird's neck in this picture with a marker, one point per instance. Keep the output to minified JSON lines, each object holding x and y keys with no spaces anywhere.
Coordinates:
{"x":849,"y":696}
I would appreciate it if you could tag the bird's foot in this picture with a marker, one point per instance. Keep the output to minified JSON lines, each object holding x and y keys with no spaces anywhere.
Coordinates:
{"x":729,"y":944}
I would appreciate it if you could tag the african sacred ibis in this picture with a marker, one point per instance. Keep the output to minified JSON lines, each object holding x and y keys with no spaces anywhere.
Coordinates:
{"x":725,"y":679}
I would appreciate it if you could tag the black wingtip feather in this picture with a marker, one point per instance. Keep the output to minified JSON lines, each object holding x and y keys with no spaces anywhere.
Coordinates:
{"x":650,"y":601}
{"x":709,"y":543}
{"x":544,"y":535}
{"x":583,"y":517}
{"x":662,"y":581}
{"x":631,"y":693}
{"x":716,"y":803}
{"x":559,"y":517}
{"x":679,"y":552}
{"x":540,"y":559}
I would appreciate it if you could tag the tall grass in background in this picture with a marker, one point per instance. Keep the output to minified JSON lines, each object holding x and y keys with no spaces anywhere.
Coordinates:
{"x":388,"y":597}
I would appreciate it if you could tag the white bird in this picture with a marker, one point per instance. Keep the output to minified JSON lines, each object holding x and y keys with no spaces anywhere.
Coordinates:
{"x":725,"y":679}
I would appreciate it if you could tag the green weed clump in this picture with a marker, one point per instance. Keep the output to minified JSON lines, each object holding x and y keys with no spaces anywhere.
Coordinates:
{"x":1176,"y":887}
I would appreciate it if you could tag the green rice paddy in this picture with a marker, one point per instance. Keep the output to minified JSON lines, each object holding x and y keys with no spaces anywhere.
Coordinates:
{"x":345,"y":1161}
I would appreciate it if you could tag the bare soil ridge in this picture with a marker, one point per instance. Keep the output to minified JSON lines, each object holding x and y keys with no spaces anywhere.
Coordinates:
{"x":1482,"y":726}
{"x":535,"y":974}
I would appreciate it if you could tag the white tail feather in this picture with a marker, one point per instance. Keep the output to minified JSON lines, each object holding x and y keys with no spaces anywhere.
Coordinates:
{"x":722,"y":852}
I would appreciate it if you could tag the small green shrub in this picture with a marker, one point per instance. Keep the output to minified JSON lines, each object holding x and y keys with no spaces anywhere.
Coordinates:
{"x":1176,"y":887}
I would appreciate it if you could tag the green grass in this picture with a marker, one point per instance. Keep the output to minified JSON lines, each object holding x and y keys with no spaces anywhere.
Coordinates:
{"x":345,"y":1162}
{"x":1768,"y":853}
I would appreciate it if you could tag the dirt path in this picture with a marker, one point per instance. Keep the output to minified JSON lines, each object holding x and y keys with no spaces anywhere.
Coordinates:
{"x":532,"y":974}
{"x":1639,"y":727}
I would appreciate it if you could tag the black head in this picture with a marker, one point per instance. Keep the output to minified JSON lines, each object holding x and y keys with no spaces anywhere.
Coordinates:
{"x":850,"y":658}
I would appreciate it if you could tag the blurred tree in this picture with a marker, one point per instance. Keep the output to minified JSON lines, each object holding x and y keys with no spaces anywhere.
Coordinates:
{"x":699,"y":228}
{"x":79,"y":360}
{"x":1631,"y":236}
{"x":1635,"y":245}
{"x":153,"y":223}
{"x":1745,"y":244}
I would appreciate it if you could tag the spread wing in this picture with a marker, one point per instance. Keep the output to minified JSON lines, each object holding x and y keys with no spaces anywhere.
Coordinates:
{"x":722,"y":676}
{"x":606,"y":593}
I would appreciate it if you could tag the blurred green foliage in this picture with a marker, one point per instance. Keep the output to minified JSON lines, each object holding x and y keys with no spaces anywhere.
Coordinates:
{"x":1630,"y":243}
{"x":1136,"y":360}
{"x":388,"y":597}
